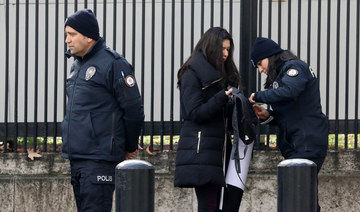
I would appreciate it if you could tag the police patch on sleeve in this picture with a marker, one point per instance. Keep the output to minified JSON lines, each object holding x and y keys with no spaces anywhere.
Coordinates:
{"x":292,"y":72}
{"x":130,"y":81}
{"x":90,"y":72}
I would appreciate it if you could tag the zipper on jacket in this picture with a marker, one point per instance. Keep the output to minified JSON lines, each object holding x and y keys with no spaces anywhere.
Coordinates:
{"x":199,"y":139}
{"x":113,"y":133}
{"x":213,"y":82}
{"x":71,"y":106}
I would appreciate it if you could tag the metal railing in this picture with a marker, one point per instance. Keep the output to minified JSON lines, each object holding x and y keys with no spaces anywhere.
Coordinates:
{"x":325,"y":34}
{"x":156,"y":37}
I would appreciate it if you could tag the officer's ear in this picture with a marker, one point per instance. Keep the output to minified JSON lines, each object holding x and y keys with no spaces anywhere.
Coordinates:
{"x":90,"y":41}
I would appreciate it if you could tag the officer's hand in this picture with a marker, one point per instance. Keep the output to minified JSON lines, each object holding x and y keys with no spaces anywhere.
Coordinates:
{"x":261,"y":112}
{"x":131,"y":155}
{"x":139,"y":147}
{"x":251,"y":98}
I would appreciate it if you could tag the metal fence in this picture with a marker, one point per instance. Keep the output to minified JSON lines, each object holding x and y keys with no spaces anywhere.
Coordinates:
{"x":325,"y":34}
{"x":156,"y":37}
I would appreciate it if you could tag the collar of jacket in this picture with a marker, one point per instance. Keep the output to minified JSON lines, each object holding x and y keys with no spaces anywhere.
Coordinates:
{"x":99,"y":44}
{"x":279,"y":65}
{"x":207,"y":73}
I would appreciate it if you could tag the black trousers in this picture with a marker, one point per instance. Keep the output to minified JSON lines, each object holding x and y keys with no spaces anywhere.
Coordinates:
{"x":93,"y":184}
{"x":319,"y":162}
{"x":208,"y":197}
{"x":232,"y":199}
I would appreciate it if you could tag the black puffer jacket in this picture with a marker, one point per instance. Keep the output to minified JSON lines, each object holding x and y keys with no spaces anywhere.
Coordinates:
{"x":200,"y":151}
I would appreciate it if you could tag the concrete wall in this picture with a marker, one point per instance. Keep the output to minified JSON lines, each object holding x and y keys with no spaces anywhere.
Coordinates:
{"x":44,"y":184}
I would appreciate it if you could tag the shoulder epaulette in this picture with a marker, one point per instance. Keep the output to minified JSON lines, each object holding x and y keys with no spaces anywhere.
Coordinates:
{"x":113,"y":52}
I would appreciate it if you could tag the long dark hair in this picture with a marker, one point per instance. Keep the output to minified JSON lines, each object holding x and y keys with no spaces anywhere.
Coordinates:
{"x":274,"y":62}
{"x":211,"y":46}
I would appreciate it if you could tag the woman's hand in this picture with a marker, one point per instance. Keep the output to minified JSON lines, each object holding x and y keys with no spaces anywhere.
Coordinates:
{"x":229,"y":93}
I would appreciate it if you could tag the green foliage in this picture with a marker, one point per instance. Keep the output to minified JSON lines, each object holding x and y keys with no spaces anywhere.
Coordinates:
{"x":342,"y":141}
{"x":39,"y":140}
{"x":157,"y":140}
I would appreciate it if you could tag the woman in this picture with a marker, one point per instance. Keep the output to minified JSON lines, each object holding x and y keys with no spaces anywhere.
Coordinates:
{"x":202,"y":81}
{"x":294,"y":96}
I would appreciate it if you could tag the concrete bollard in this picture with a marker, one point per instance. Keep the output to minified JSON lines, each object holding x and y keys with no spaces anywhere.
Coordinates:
{"x":297,"y":186}
{"x":134,"y":184}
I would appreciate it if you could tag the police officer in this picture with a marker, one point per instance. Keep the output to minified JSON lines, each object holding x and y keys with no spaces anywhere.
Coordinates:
{"x":104,"y":113}
{"x":293,"y":93}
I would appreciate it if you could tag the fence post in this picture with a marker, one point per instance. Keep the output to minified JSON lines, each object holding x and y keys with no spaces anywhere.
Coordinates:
{"x":134,"y":184}
{"x":248,"y":32}
{"x":297,"y":186}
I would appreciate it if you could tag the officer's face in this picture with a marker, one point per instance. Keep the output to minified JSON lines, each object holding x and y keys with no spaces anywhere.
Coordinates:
{"x":77,"y":43}
{"x":263,"y":65}
{"x":226,"y":48}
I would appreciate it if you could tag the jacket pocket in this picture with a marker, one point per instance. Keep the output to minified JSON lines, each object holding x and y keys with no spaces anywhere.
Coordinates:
{"x":198,"y":143}
{"x":103,"y":123}
{"x":104,"y":129}
{"x":82,"y":135}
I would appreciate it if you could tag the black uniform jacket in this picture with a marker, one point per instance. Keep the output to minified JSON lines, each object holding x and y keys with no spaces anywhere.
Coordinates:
{"x":202,"y":137}
{"x":295,"y":100}
{"x":104,"y":113}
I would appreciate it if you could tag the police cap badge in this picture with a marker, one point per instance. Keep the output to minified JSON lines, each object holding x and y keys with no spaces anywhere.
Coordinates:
{"x":292,"y":72}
